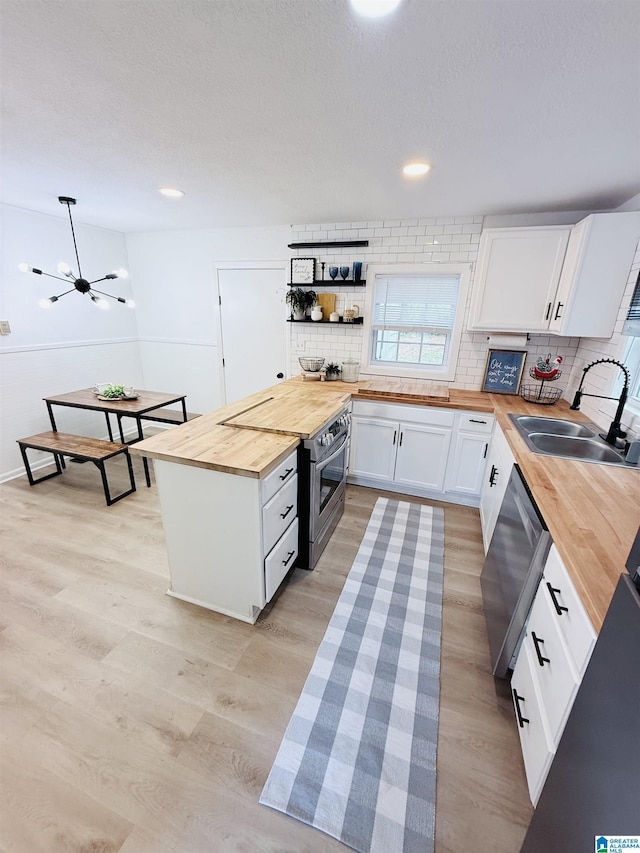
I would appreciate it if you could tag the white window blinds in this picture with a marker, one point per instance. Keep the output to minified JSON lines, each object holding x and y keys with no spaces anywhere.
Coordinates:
{"x":632,"y":323}
{"x":415,"y":303}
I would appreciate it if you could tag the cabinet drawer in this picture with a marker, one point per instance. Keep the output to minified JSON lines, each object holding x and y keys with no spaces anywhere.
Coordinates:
{"x":280,"y":560}
{"x":535,"y":741}
{"x":569,"y":614}
{"x":553,"y":671}
{"x":281,"y":474}
{"x":475,"y":422}
{"x":278,"y":514}
{"x":400,"y":412}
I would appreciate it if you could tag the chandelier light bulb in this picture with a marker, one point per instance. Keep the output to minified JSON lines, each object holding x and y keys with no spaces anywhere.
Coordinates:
{"x":131,"y":303}
{"x":416,"y":170}
{"x":101,"y":303}
{"x":24,"y":267}
{"x":171,"y":192}
{"x":64,"y":269}
{"x":46,"y":303}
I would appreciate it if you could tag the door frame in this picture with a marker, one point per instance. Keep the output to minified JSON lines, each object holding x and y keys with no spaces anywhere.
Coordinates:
{"x":244,"y":265}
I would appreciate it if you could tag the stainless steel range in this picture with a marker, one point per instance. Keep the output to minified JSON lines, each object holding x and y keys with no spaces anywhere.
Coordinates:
{"x":322,"y":477}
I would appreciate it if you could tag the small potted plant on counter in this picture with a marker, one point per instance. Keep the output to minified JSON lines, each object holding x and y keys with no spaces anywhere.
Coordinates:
{"x":300,"y":300}
{"x":332,"y":371}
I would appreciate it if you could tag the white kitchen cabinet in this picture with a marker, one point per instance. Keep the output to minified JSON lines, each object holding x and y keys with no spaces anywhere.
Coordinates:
{"x":230,"y":539}
{"x":469,"y":451}
{"x":406,"y":454}
{"x":556,"y":647}
{"x":496,"y":477}
{"x":517,"y":277}
{"x":564,"y":280}
{"x":594,"y":275}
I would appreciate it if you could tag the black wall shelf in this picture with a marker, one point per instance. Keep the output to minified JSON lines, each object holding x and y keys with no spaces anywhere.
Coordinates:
{"x":326,"y":245}
{"x":357,"y":321}
{"x":329,"y":282}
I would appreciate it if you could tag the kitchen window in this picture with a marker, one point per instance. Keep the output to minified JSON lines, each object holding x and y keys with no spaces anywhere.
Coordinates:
{"x":415,"y":319}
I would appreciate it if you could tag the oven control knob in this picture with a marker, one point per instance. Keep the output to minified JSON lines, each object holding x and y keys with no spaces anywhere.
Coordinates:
{"x":326,"y":439}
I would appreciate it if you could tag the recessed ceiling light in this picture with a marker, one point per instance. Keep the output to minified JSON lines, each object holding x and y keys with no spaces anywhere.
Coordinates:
{"x":375,"y":8}
{"x":416,"y":170}
{"x":170,"y":192}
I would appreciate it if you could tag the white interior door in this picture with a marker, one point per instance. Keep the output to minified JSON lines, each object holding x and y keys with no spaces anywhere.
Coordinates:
{"x":252,"y":327}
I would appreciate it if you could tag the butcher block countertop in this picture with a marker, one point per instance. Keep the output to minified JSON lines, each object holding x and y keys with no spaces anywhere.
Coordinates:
{"x":591,"y":510}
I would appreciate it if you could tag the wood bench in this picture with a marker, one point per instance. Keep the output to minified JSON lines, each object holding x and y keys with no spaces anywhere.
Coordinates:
{"x":61,"y":444}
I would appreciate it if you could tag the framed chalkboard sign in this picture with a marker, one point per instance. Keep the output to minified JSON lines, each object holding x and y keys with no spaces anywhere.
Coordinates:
{"x":503,"y":371}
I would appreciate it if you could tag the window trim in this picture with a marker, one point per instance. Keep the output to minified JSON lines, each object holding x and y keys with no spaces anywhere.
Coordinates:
{"x":445,"y":374}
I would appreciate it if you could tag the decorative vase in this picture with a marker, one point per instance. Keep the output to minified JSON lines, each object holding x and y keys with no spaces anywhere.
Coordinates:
{"x":299,"y":314}
{"x":357,"y":270}
{"x":316,"y":313}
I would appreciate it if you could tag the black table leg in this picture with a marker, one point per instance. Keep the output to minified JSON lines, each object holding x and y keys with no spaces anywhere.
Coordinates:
{"x":184,"y":409}
{"x":106,"y":414}
{"x":145,"y":461}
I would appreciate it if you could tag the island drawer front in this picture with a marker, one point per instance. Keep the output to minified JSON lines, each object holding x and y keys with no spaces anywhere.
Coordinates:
{"x":476,"y":422}
{"x":280,"y":560}
{"x":278,"y":514}
{"x":282,"y":473}
{"x":573,"y":623}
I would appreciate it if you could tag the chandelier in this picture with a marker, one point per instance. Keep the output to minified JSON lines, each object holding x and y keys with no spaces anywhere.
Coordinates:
{"x":79,"y":283}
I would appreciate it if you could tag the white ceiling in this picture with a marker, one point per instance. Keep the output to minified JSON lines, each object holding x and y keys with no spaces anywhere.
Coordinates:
{"x":269,"y":112}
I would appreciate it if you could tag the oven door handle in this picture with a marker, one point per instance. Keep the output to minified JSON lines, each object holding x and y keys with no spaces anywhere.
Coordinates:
{"x":322,"y":462}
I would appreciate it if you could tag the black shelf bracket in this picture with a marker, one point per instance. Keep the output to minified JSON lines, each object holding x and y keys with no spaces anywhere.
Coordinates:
{"x":326,"y":245}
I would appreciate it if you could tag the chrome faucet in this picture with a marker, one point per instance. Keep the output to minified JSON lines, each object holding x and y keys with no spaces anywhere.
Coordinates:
{"x":614,"y":430}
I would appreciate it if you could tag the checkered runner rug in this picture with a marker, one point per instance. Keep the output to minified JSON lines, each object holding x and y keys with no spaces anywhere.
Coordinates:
{"x":358,"y":758}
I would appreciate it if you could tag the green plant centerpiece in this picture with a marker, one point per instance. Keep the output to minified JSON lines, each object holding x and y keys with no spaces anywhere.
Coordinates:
{"x":332,"y":371}
{"x":300,"y":300}
{"x":113,"y":391}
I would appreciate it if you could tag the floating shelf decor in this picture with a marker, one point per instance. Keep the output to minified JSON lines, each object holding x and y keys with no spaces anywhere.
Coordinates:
{"x":325,"y":244}
{"x":330,"y":282}
{"x":357,"y":321}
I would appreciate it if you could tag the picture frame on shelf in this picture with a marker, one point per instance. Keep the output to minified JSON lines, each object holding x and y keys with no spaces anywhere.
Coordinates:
{"x":303,"y":270}
{"x":503,"y":371}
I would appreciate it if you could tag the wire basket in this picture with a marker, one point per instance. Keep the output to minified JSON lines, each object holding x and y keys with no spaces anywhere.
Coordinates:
{"x":311,"y":365}
{"x":539,"y":394}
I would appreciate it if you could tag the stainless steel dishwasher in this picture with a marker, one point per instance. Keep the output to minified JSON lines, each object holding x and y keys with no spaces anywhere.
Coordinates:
{"x":512,"y":571}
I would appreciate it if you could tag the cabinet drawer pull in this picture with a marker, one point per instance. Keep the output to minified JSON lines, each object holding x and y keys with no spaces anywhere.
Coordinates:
{"x":395,"y":432}
{"x":537,"y":641}
{"x":516,"y":701}
{"x":493,"y":475}
{"x":476,"y":421}
{"x":291,"y":553}
{"x":557,"y":314}
{"x":486,"y":447}
{"x":286,"y":474}
{"x":560,"y":608}
{"x":401,"y":437}
{"x":286,"y":512}
{"x":546,"y":316}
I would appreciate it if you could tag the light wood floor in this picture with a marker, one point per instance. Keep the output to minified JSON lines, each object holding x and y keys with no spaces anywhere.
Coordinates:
{"x":137,"y":723}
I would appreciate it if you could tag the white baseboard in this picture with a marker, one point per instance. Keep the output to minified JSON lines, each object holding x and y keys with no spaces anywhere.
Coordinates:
{"x":431,"y":494}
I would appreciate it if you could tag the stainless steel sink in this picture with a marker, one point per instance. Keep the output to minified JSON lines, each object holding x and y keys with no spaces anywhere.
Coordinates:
{"x":554,"y":426}
{"x":573,"y":447}
{"x":567,"y":439}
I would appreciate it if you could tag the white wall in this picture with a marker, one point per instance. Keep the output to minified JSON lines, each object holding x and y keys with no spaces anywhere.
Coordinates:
{"x":70,"y":346}
{"x":174,"y":275}
{"x":435,"y":240}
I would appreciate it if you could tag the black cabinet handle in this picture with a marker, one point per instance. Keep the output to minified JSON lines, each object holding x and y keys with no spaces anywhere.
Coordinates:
{"x":279,"y":375}
{"x":286,"y":474}
{"x":286,"y":512}
{"x":546,"y":316}
{"x":560,"y":305}
{"x":475,"y":421}
{"x":560,"y":608}
{"x":493,"y":475}
{"x":516,"y":701}
{"x":291,"y":553}
{"x":537,"y":642}
{"x":395,"y":432}
{"x":486,"y":447}
{"x":401,"y":437}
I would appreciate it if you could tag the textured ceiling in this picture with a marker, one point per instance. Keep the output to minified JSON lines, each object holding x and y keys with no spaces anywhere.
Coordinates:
{"x":270,"y":112}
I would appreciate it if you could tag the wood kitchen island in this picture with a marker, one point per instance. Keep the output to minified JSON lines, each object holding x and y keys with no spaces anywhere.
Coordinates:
{"x":592,"y":511}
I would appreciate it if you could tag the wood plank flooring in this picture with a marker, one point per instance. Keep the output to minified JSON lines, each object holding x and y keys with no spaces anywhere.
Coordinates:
{"x":132,"y":722}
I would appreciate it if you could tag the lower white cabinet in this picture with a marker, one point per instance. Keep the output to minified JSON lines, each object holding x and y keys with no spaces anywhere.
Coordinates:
{"x":558,"y":642}
{"x":230,"y":539}
{"x":494,"y":484}
{"x":420,"y":450}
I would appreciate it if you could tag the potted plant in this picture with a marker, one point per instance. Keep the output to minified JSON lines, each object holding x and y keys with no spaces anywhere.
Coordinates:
{"x":332,"y":371}
{"x":300,"y":300}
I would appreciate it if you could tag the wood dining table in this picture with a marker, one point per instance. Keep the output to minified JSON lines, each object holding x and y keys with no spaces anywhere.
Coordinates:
{"x":144,"y":404}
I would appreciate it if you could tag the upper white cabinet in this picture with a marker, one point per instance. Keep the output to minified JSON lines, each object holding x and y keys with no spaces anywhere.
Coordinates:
{"x":594,"y":275}
{"x":567,"y":281}
{"x":517,"y":278}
